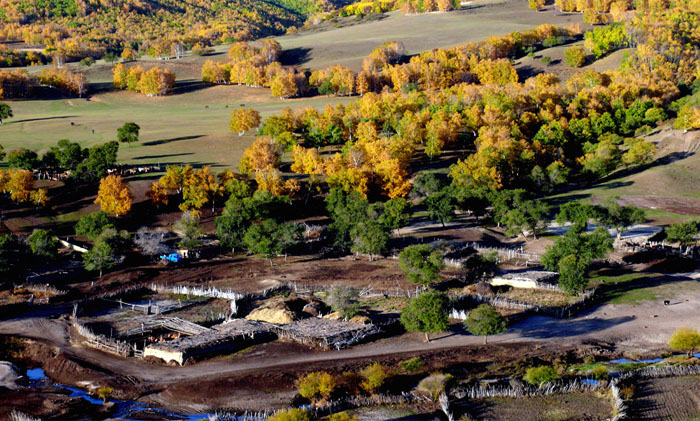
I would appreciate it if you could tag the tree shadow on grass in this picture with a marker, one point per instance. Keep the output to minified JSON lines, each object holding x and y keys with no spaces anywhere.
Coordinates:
{"x":172,"y":139}
{"x":138,"y":158}
{"x":27,"y":120}
{"x":187,"y":86}
{"x":295,"y":56}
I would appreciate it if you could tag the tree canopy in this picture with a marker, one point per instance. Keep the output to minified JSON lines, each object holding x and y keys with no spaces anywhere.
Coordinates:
{"x":485,"y":320}
{"x":426,"y":313}
{"x":128,"y":133}
{"x":421,"y":264}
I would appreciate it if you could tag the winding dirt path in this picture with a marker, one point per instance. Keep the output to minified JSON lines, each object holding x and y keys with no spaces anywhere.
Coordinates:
{"x":645,"y":326}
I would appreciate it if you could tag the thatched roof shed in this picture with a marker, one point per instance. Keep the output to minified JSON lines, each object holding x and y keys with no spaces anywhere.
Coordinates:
{"x":226,"y":337}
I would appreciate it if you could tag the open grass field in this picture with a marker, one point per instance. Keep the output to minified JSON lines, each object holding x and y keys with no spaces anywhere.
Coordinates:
{"x":190,"y":127}
{"x":482,"y":19}
{"x":665,"y":188}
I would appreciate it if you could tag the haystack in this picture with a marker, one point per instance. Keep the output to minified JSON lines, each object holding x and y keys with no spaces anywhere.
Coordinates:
{"x":271,"y":315}
{"x":282,"y":311}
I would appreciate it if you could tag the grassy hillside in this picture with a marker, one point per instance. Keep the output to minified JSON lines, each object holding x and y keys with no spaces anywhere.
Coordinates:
{"x":482,"y":19}
{"x":113,"y":25}
{"x":666,"y":188}
{"x":191,"y":127}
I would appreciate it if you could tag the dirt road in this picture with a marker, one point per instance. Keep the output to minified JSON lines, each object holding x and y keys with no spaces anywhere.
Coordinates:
{"x":645,"y":326}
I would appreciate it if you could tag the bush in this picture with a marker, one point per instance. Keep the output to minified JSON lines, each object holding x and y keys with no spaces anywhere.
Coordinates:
{"x":104,"y":393}
{"x":411,"y":366}
{"x":343,"y":299}
{"x":539,"y":375}
{"x":435,"y":385}
{"x":374,"y":376}
{"x":627,"y":392}
{"x":553,"y":41}
{"x":546,"y":60}
{"x":600,"y":372}
{"x":341,"y":416}
{"x":686,"y":340}
{"x":575,"y":56}
{"x":316,"y":385}
{"x":293,"y":414}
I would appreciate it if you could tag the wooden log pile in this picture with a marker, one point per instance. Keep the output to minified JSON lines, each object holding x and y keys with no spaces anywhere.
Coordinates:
{"x":326,"y":333}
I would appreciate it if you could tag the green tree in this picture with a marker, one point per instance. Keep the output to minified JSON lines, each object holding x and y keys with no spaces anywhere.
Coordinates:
{"x":264,"y":239}
{"x":396,"y":213}
{"x":23,"y":159}
{"x":231,"y":227}
{"x":5,"y":112}
{"x":576,"y":250}
{"x":484,"y":321}
{"x":502,"y":201}
{"x":66,"y":155}
{"x":612,"y":215}
{"x":188,"y":228}
{"x":472,"y":199}
{"x":346,"y":210}
{"x":290,"y":236}
{"x":2,"y":153}
{"x":128,"y":133}
{"x":426,"y":184}
{"x":421,"y":264}
{"x":540,"y":375}
{"x":427,"y":313}
{"x":344,"y":300}
{"x":685,"y":340}
{"x":43,"y":243}
{"x":441,"y":206}
{"x":480,"y":266}
{"x":371,"y":237}
{"x":99,"y":159}
{"x":682,"y":232}
{"x":101,"y":257}
{"x":528,"y":216}
{"x":92,"y":225}
{"x":577,"y":213}
{"x":572,"y":273}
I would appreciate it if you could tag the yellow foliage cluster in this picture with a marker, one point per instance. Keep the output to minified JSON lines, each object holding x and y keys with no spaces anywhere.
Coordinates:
{"x":15,"y":83}
{"x":64,"y":79}
{"x":156,"y":81}
{"x":114,"y":196}
{"x":19,"y":185}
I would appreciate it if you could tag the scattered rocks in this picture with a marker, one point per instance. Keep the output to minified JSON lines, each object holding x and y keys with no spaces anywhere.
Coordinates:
{"x":9,"y":375}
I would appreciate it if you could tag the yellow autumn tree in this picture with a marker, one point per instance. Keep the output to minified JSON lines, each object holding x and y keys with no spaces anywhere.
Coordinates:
{"x":158,"y":194}
{"x":244,"y":119}
{"x":114,"y":195}
{"x":263,"y":154}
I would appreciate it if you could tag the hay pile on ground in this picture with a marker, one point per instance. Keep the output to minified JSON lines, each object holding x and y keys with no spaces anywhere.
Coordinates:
{"x":282,"y":311}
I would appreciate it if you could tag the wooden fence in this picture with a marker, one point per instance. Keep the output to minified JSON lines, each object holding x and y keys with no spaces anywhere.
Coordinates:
{"x":458,"y":300}
{"x":479,"y":391}
{"x":103,"y":343}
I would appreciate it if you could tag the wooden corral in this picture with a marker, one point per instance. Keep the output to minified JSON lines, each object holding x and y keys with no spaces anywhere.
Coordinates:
{"x":226,"y":337}
{"x":327,"y":333}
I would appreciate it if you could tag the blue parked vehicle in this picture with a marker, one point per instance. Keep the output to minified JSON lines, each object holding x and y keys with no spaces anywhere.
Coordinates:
{"x":172,"y":257}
